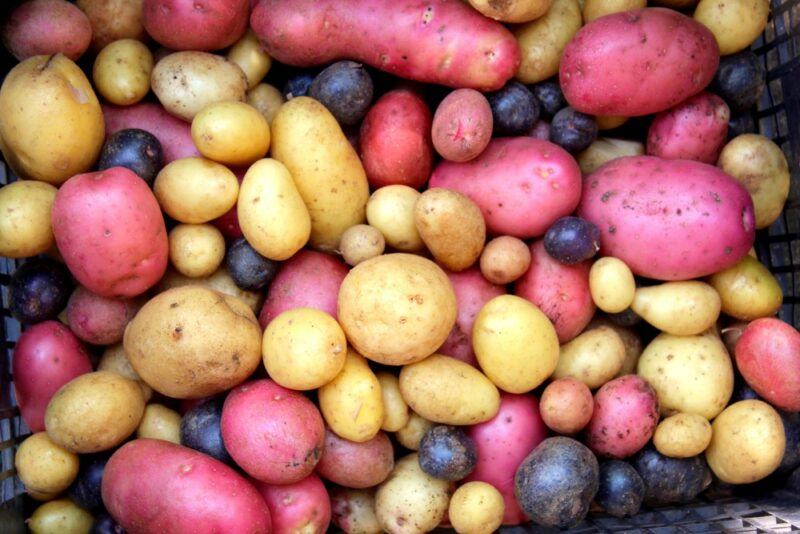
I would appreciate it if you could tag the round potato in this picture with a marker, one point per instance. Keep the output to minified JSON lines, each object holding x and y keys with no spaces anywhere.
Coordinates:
{"x":121,"y":71}
{"x":734,"y":23}
{"x":266,"y":99}
{"x":504,"y":259}
{"x":361,"y":243}
{"x":411,"y":434}
{"x":476,"y":508}
{"x":115,"y":361}
{"x":543,"y":41}
{"x":611,"y":284}
{"x":356,"y":465}
{"x":748,"y":290}
{"x":390,"y":209}
{"x":395,"y":409}
{"x":679,"y":308}
{"x":196,"y":250}
{"x":159,"y":422}
{"x":513,"y":11}
{"x":594,"y":9}
{"x":25,"y":226}
{"x":219,"y":281}
{"x":594,"y":357}
{"x":44,"y":466}
{"x":354,"y":510}
{"x":61,"y":516}
{"x":94,"y":412}
{"x":567,"y":405}
{"x":462,"y":125}
{"x":251,"y":58}
{"x":682,"y":435}
{"x":196,"y":190}
{"x":233,"y":133}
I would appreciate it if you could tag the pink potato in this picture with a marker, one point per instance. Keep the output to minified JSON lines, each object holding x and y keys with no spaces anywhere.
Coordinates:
{"x":695,"y":129}
{"x":99,"y":320}
{"x":502,"y":443}
{"x":47,"y":356}
{"x":275,"y":434}
{"x":472,"y":292}
{"x":669,"y":219}
{"x":625,"y":417}
{"x":444,"y":42}
{"x":47,"y":27}
{"x":301,"y":507}
{"x":521,"y":184}
{"x":195,"y":24}
{"x":462,"y":125}
{"x":560,"y":291}
{"x":637,"y":62}
{"x":566,"y":405}
{"x":110,"y":231}
{"x":309,"y":279}
{"x":157,"y":487}
{"x":356,"y":465}
{"x":768,"y":357}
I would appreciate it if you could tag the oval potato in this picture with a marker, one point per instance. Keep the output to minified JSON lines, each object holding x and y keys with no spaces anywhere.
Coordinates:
{"x":748,"y":290}
{"x":44,"y":466}
{"x":391,"y":209}
{"x":514,"y":11}
{"x":594,"y":357}
{"x":611,"y":284}
{"x":196,"y":190}
{"x":734,"y":23}
{"x":395,"y":409}
{"x":682,"y":435}
{"x":543,"y":41}
{"x":61,"y":516}
{"x":26,"y":227}
{"x":251,"y":57}
{"x":232,"y":133}
{"x":678,"y":308}
{"x":476,"y":507}
{"x":121,"y":71}
{"x":196,"y":250}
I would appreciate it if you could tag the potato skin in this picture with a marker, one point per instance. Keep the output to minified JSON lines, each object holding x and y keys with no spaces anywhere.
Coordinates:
{"x":504,"y":259}
{"x":476,"y":507}
{"x":354,"y":511}
{"x":682,"y":435}
{"x":192,"y":25}
{"x":356,"y":465}
{"x":302,"y":506}
{"x":567,"y":405}
{"x":60,"y":515}
{"x":43,"y":466}
{"x":543,"y":40}
{"x":45,"y":27}
{"x":611,"y":284}
{"x":594,"y":357}
{"x":678,"y":308}
{"x":112,"y":20}
{"x":99,"y":320}
{"x":122,"y":70}
{"x":462,"y":125}
{"x":26,"y":228}
{"x":515,"y":11}
{"x":232,"y":133}
{"x":195,"y":190}
{"x":735,"y":24}
{"x":390,"y":209}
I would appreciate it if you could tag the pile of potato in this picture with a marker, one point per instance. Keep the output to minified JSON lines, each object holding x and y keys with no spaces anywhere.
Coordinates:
{"x":390,"y":265}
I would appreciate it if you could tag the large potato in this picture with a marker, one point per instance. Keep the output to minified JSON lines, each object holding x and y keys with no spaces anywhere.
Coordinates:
{"x":397,"y":308}
{"x":679,"y":308}
{"x":543,"y":41}
{"x":391,"y":209}
{"x":593,"y":357}
{"x":25,"y":227}
{"x":734,"y":23}
{"x":196,"y":190}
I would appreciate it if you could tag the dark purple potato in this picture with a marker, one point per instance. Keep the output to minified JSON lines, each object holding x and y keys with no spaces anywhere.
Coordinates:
{"x":551,"y":99}
{"x":85,"y":490}
{"x":346,"y":89}
{"x":740,"y":80}
{"x":105,"y":524}
{"x":200,"y":430}
{"x":298,"y":84}
{"x":250,"y":270}
{"x":514,"y":109}
{"x":134,"y":149}
{"x":571,"y":240}
{"x":621,"y":489}
{"x":446,"y":452}
{"x":670,"y":480}
{"x":572,"y":130}
{"x":39,"y":290}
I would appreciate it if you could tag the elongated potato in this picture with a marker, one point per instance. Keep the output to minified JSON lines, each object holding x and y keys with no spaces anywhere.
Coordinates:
{"x":251,"y":58}
{"x":543,"y":41}
{"x":679,"y":308}
{"x":611,"y":284}
{"x":395,"y":409}
{"x":682,"y":435}
{"x":593,"y":357}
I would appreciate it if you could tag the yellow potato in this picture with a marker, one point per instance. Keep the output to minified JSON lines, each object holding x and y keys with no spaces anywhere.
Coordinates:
{"x":411,"y":434}
{"x":351,"y":403}
{"x":747,"y":442}
{"x":611,"y":285}
{"x":325,"y":168}
{"x":61,"y":516}
{"x":251,"y":58}
{"x":121,"y":71}
{"x":361,"y":243}
{"x":25,"y":223}
{"x":543,"y":41}
{"x":605,"y":149}
{"x":159,"y":422}
{"x":691,"y":374}
{"x":504,"y":259}
{"x":748,"y":290}
{"x":610,"y":122}
{"x":232,"y":133}
{"x":196,"y":250}
{"x":391,"y":210}
{"x":195,"y":190}
{"x":734,"y":23}
{"x":44,"y":466}
{"x":445,"y":390}
{"x":354,"y":510}
{"x":682,"y":435}
{"x":512,"y":11}
{"x":42,"y":497}
{"x":515,"y":343}
{"x":593,"y":9}
{"x":395,"y":410}
{"x":476,"y":508}
{"x":633,"y":344}
{"x":51,"y":124}
{"x":219,"y":281}
{"x":679,"y":308}
{"x":594,"y":357}
{"x":115,"y":361}
{"x":267,"y":99}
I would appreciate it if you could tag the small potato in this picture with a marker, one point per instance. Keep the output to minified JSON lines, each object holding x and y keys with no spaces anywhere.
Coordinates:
{"x":61,"y":516}
{"x":99,"y":320}
{"x":462,"y":125}
{"x":159,"y":422}
{"x":543,"y":41}
{"x":219,"y":281}
{"x":682,"y":435}
{"x":356,"y":465}
{"x":44,"y":466}
{"x":734,"y":23}
{"x":594,"y":9}
{"x":411,"y":434}
{"x":115,"y":361}
{"x":232,"y":133}
{"x":514,"y":11}
{"x":476,"y":508}
{"x":121,"y":71}
{"x":593,"y":357}
{"x":609,"y":122}
{"x":678,"y":308}
{"x":354,"y":511}
{"x":196,"y":190}
{"x":25,"y":225}
{"x":196,"y":250}
{"x":390,"y":209}
{"x":504,"y":259}
{"x":395,"y":410}
{"x":251,"y":58}
{"x":611,"y":284}
{"x":360,"y":243}
{"x":266,"y":99}
{"x":631,"y":339}
{"x":605,"y":149}
{"x":566,"y":405}
{"x":748,"y":290}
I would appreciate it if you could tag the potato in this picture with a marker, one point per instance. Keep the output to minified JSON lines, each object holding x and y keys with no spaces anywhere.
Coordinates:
{"x":605,"y":149}
{"x":266,"y":99}
{"x":61,"y":516}
{"x":462,"y":125}
{"x":354,"y":511}
{"x":302,"y":506}
{"x":206,"y":342}
{"x":360,"y":243}
{"x":748,"y":290}
{"x":383,"y":301}
{"x":182,"y":25}
{"x":593,"y":9}
{"x":271,"y":212}
{"x":504,"y":259}
{"x":45,"y":27}
{"x":43,"y":466}
{"x":356,"y":465}
{"x":195,"y":190}
{"x":445,"y":390}
{"x":411,"y":434}
{"x":186,"y":82}
{"x":94,"y":412}
{"x":629,"y":336}
{"x":567,"y":405}
{"x":395,"y":410}
{"x":351,"y":403}
{"x":232,"y":133}
{"x":391,"y":209}
{"x":734,"y":23}
{"x":593,"y":357}
{"x":476,"y":508}
{"x":609,"y":122}
{"x":327,"y":172}
{"x":542,"y":41}
{"x":691,"y":374}
{"x":515,"y":343}
{"x":196,"y":250}
{"x":611,"y":284}
{"x":159,"y":422}
{"x":451,"y":226}
{"x":115,"y":361}
{"x":682,"y":435}
{"x":52,"y":125}
{"x":99,"y":320}
{"x":112,"y":20}
{"x":760,"y":166}
{"x":747,"y":442}
{"x":678,"y":308}
{"x":25,"y":227}
{"x":121,"y":71}
{"x":219,"y":281}
{"x":514,"y":11}
{"x":248,"y":53}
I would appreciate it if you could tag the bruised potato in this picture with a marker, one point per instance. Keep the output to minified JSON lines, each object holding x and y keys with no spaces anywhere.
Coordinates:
{"x":353,"y":510}
{"x":594,"y":357}
{"x":44,"y":466}
{"x":679,"y":308}
{"x":682,"y":435}
{"x":196,"y":250}
{"x":391,"y":209}
{"x":121,"y":71}
{"x":195,"y":190}
{"x":232,"y":133}
{"x":25,"y":223}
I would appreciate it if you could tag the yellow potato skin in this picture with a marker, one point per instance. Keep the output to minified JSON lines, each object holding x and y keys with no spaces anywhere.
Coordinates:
{"x":219,"y":281}
{"x":44,"y":466}
{"x":682,"y":435}
{"x":476,"y":508}
{"x":391,"y":209}
{"x":195,"y":190}
{"x":679,"y":308}
{"x":196,"y":250}
{"x":115,"y":361}
{"x":267,"y":99}
{"x":232,"y":133}
{"x":748,"y":290}
{"x":159,"y":422}
{"x":25,"y":222}
{"x":122,"y":71}
{"x":411,"y":433}
{"x":543,"y":41}
{"x":61,"y":516}
{"x":593,"y":9}
{"x":515,"y":11}
{"x":611,"y":284}
{"x":734,"y":23}
{"x":251,"y":57}
{"x":594,"y":357}
{"x":395,"y":410}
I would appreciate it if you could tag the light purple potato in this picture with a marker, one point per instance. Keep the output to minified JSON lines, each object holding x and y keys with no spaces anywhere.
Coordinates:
{"x":47,"y":27}
{"x":695,"y":129}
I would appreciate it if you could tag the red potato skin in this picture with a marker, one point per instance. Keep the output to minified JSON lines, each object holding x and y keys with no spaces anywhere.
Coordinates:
{"x":669,"y":219}
{"x":637,"y":62}
{"x":472,"y":292}
{"x":110,"y":231}
{"x":301,"y":507}
{"x":395,"y":140}
{"x":502,"y":443}
{"x":157,"y":487}
{"x":99,"y":320}
{"x":356,"y":465}
{"x":461,"y":47}
{"x":47,"y":356}
{"x":695,"y":129}
{"x":195,"y":24}
{"x":624,"y":419}
{"x":462,"y":125}
{"x":522,"y":185}
{"x":47,"y":27}
{"x":275,"y":434}
{"x":768,"y":356}
{"x":560,"y":291}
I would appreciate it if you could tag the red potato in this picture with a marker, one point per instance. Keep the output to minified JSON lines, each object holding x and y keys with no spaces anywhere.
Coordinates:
{"x":47,"y":27}
{"x":110,"y":231}
{"x":462,"y":125}
{"x":502,"y":443}
{"x":625,"y":417}
{"x":472,"y":292}
{"x":195,"y":24}
{"x":395,"y":140}
{"x":461,"y":47}
{"x":157,"y":487}
{"x":112,"y":20}
{"x":275,"y":434}
{"x":47,"y":356}
{"x":356,"y":465}
{"x":768,"y":357}
{"x":522,"y":185}
{"x":301,"y":507}
{"x":695,"y":129}
{"x":669,"y":219}
{"x":637,"y":62}
{"x":560,"y":291}
{"x":99,"y":320}
{"x":309,"y":279}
